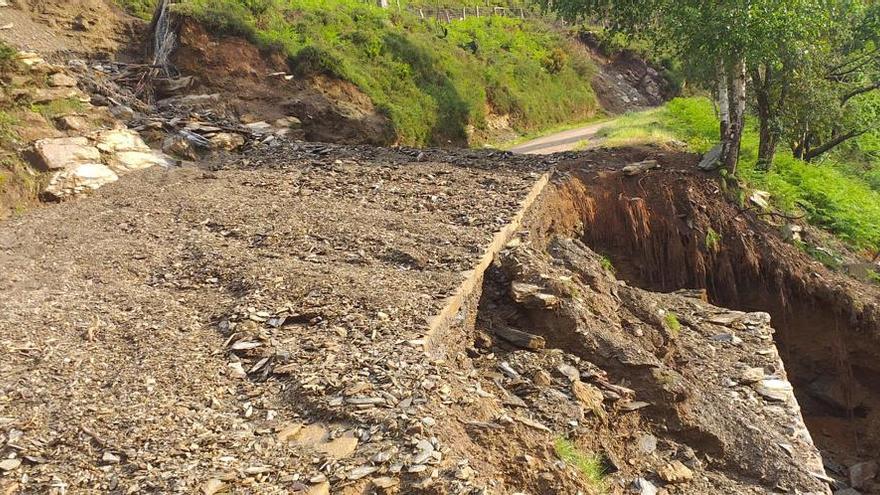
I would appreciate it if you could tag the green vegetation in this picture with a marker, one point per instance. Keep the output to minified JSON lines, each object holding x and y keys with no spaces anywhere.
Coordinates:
{"x":57,"y":108}
{"x":7,"y":54}
{"x":588,"y":464}
{"x":140,"y":8}
{"x":822,"y":255}
{"x":808,"y":70}
{"x":7,"y":127}
{"x":435,"y":81}
{"x":713,"y":240}
{"x":670,"y":319}
{"x":605,"y":263}
{"x":829,"y":192}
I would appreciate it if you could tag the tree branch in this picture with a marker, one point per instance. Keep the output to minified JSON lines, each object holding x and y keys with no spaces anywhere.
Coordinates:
{"x":860,"y":61}
{"x":814,"y":152}
{"x":859,"y":91}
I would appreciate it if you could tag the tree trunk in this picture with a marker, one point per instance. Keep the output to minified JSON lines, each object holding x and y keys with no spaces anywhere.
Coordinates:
{"x":768,"y":135}
{"x":732,"y":140}
{"x":723,"y":100}
{"x":766,"y":146}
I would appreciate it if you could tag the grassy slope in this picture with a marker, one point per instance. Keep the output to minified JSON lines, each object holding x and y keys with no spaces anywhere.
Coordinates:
{"x":832,"y":193}
{"x":17,"y":185}
{"x":433,"y":80}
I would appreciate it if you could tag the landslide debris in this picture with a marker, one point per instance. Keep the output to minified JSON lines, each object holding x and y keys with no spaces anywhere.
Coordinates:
{"x":267,"y":326}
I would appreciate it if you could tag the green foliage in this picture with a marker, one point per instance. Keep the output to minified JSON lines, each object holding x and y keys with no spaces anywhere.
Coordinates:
{"x":713,"y":240}
{"x":57,"y":108}
{"x":7,"y":54}
{"x":140,"y":8}
{"x":874,"y":276}
{"x":606,"y":264}
{"x":670,"y":320}
{"x":841,"y":202}
{"x":588,"y":464}
{"x":822,"y":255}
{"x":435,"y":81}
{"x":7,"y":127}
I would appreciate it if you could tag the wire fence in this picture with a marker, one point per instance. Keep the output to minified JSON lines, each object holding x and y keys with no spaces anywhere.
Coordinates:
{"x":449,"y":14}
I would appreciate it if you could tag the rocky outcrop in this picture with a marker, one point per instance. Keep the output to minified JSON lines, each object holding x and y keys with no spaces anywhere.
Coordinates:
{"x":85,"y":163}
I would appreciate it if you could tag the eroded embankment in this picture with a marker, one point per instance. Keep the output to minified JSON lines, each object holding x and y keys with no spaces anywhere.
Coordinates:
{"x":662,"y":390}
{"x":672,"y":230}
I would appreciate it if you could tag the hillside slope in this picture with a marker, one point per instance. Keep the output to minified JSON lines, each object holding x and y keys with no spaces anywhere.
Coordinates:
{"x":436,"y":83}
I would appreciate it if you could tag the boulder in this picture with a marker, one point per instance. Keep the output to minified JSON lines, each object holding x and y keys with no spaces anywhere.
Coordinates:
{"x":46,"y":95}
{"x":760,"y":199}
{"x":62,"y":80}
{"x":119,"y":140}
{"x":63,"y":153}
{"x":29,"y":59}
{"x":229,"y":141}
{"x":642,"y":486}
{"x":861,"y":474}
{"x":78,"y":179}
{"x":775,"y":389}
{"x":833,"y":392}
{"x":675,"y":472}
{"x":261,"y":127}
{"x":126,"y":161}
{"x":179,"y":146}
{"x":792,"y":232}
{"x":711,"y":160}
{"x":122,"y":112}
{"x":72,"y":123}
{"x":287,"y":123}
{"x":640,"y":167}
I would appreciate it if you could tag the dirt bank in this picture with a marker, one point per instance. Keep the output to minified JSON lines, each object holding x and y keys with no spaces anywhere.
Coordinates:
{"x":263,"y":86}
{"x":671,"y":230}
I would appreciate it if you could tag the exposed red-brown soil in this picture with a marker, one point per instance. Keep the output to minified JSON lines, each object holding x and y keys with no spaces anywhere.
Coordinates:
{"x":330,"y":109}
{"x":671,"y":230}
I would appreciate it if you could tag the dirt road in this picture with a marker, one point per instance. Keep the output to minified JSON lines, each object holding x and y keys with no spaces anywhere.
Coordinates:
{"x":561,"y":141}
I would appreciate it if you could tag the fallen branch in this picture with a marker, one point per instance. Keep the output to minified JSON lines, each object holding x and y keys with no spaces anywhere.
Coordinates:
{"x":521,"y":339}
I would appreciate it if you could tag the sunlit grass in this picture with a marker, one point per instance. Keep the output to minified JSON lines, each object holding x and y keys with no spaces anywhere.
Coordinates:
{"x":589,"y":465}
{"x":832,"y":198}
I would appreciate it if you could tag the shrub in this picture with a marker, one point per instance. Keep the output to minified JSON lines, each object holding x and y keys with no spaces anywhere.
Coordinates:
{"x":713,"y":240}
{"x":589,"y":465}
{"x":556,"y":60}
{"x":7,"y":56}
{"x":140,"y":8}
{"x":672,"y":323}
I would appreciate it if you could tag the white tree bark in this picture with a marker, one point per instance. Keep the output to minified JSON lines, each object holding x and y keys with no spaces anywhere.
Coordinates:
{"x":723,"y":100}
{"x":737,"y":105}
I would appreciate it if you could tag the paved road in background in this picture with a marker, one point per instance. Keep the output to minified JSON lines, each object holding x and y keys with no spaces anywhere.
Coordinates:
{"x":560,"y":141}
